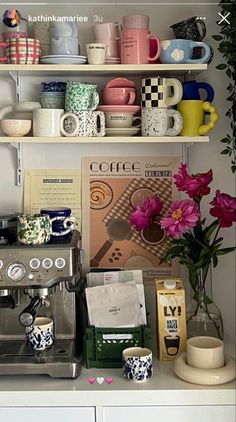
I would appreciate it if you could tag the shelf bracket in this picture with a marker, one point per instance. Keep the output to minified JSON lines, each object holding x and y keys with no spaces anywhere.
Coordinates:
{"x":19,"y":159}
{"x":15,"y":76}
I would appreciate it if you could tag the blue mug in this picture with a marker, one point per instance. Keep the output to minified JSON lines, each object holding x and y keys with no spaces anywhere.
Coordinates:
{"x":62,"y":222}
{"x":191,"y":91}
{"x":180,"y":51}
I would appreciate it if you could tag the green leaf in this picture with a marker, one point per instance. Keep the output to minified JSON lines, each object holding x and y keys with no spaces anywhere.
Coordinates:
{"x":215,"y":260}
{"x":217,"y":37}
{"x":221,"y":66}
{"x":225,"y":251}
{"x":225,"y":140}
{"x":208,"y":231}
{"x":225,"y":151}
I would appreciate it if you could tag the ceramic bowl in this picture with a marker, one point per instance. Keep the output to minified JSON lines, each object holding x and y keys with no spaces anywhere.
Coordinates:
{"x":14,"y":127}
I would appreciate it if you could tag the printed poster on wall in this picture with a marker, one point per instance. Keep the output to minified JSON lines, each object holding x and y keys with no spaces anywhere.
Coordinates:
{"x":111,"y":188}
{"x":53,"y":188}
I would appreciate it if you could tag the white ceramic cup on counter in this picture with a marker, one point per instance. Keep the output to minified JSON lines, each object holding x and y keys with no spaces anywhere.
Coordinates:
{"x":137,"y":364}
{"x":96,"y":53}
{"x":46,"y":122}
{"x":205,"y":352}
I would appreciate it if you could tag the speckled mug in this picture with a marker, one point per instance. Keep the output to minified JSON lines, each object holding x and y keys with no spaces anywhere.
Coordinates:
{"x":137,"y":364}
{"x":81,"y":97}
{"x":39,"y":335}
{"x":157,"y":121}
{"x":33,"y":229}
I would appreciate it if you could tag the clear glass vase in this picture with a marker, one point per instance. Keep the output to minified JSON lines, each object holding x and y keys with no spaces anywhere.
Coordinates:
{"x":203,"y":315}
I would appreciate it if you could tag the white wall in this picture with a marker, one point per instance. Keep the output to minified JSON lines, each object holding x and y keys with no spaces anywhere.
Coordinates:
{"x":201,"y":156}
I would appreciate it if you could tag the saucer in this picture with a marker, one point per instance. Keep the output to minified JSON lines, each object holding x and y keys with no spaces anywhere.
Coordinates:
{"x":204,"y":376}
{"x":63,"y":59}
{"x":122,"y":131}
{"x":120,"y":108}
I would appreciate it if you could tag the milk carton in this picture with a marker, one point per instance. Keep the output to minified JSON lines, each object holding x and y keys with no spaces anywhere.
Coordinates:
{"x":171,"y":318}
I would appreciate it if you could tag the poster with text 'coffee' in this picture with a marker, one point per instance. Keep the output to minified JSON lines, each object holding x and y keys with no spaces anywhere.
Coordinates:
{"x":112,"y":187}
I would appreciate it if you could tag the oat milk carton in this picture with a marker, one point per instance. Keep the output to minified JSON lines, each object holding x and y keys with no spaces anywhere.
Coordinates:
{"x":171,"y":318}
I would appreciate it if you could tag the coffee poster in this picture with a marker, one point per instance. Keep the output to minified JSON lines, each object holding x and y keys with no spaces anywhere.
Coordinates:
{"x":111,"y":188}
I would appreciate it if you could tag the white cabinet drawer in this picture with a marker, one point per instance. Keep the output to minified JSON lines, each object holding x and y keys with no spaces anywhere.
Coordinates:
{"x":47,"y":414}
{"x":172,"y":413}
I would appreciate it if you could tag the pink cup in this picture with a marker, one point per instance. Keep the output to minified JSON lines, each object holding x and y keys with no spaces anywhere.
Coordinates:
{"x":113,"y":48}
{"x":135,"y":46}
{"x":105,"y":31}
{"x":136,"y":21}
{"x":118,"y":96}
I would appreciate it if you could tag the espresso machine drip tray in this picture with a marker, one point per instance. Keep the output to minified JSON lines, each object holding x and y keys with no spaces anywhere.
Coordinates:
{"x":59,"y":361}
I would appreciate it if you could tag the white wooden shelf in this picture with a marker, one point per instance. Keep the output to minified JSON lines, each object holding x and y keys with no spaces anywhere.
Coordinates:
{"x":105,"y":139}
{"x":107,"y":69}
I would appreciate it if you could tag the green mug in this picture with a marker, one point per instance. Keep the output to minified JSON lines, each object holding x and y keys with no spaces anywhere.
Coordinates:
{"x":33,"y":229}
{"x":81,"y":97}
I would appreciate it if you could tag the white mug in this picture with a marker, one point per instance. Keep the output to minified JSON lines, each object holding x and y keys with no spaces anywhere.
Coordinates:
{"x":83,"y":123}
{"x":96,"y":53}
{"x":157,"y":122}
{"x":205,"y":352}
{"x":46,"y":122}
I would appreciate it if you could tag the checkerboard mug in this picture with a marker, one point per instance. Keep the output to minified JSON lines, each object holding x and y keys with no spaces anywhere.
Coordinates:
{"x":161,"y":92}
{"x":21,"y":51}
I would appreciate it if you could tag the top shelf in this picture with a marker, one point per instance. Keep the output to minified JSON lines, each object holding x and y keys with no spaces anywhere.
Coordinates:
{"x":106,"y":69}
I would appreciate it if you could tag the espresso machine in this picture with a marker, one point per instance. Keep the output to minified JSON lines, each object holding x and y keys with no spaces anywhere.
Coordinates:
{"x":42,"y":280}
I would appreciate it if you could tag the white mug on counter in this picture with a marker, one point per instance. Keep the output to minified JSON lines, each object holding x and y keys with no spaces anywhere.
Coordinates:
{"x":158,"y":122}
{"x":46,"y":122}
{"x":96,"y":53}
{"x":83,"y":123}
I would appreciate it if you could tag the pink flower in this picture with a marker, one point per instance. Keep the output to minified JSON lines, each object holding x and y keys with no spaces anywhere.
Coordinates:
{"x":144,"y":213}
{"x":182,"y":216}
{"x":224,"y":208}
{"x":195,"y":184}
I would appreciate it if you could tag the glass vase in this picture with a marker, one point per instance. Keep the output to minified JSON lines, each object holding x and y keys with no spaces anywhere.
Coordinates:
{"x":203,"y":315}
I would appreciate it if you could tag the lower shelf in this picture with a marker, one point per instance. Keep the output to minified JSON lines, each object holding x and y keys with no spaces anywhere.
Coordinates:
{"x":106,"y":139}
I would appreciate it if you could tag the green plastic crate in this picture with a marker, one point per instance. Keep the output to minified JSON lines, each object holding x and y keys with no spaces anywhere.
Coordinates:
{"x":103,"y":350}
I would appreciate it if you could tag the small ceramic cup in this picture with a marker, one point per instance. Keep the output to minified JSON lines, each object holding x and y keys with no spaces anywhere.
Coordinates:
{"x":205,"y":352}
{"x":83,"y":123}
{"x":61,"y":220}
{"x":39,"y":335}
{"x":137,"y":364}
{"x":96,"y":53}
{"x":121,"y":119}
{"x":33,"y":229}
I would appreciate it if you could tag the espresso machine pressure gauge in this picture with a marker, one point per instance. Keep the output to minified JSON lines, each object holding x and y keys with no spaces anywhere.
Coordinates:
{"x":16,"y":271}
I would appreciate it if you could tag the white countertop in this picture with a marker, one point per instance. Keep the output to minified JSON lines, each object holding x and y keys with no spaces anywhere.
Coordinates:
{"x":164,"y":388}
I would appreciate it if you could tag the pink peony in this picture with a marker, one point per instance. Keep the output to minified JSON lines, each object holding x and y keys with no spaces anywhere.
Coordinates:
{"x":224,"y":208}
{"x":182,"y":216}
{"x":144,"y":213}
{"x":194,"y":185}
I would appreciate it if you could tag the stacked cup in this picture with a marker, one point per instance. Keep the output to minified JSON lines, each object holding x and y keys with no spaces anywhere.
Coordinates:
{"x":137,"y":41}
{"x":53,"y":95}
{"x":80,"y":118}
{"x":109,"y":34}
{"x":158,"y":119}
{"x":65,"y":39}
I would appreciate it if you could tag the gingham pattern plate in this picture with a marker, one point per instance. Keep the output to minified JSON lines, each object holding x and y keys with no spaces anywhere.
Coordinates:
{"x":122,"y":208}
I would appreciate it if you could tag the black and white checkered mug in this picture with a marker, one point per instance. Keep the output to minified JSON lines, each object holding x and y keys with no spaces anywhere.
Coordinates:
{"x":160,"y":92}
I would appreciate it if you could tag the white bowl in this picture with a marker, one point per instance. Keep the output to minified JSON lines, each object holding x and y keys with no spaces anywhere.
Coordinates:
{"x":13,"y":127}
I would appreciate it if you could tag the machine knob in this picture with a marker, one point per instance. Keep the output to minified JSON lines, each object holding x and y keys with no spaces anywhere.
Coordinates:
{"x":27,"y":316}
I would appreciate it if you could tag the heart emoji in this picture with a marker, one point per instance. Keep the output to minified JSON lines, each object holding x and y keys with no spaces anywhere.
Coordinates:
{"x":100,"y":380}
{"x":109,"y":380}
{"x":91,"y":380}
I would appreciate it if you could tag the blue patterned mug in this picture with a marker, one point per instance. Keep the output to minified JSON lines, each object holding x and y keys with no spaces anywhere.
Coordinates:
{"x":62,"y":222}
{"x":180,"y":51}
{"x":39,"y":335}
{"x":137,"y":364}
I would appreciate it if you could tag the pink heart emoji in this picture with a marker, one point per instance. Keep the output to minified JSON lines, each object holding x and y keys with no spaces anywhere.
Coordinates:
{"x":91,"y":380}
{"x":109,"y":380}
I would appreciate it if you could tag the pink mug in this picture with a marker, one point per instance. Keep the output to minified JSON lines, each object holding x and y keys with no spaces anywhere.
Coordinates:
{"x":118,"y":95}
{"x":135,"y":46}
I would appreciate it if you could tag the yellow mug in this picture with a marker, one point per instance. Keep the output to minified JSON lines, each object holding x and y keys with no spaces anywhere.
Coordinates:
{"x":193,"y":113}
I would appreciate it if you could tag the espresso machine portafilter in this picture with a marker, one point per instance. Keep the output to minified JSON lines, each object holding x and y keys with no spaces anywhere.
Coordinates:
{"x":40,"y":280}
